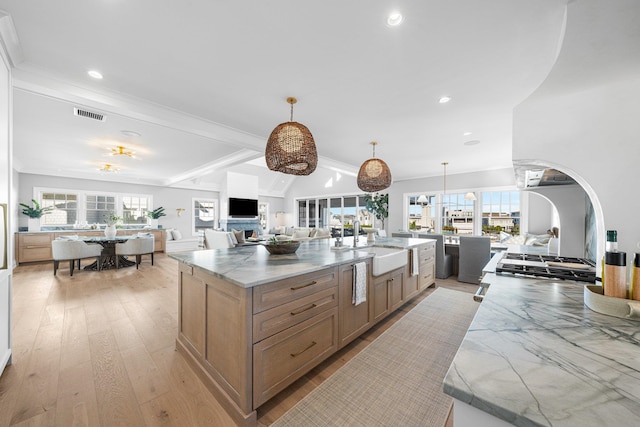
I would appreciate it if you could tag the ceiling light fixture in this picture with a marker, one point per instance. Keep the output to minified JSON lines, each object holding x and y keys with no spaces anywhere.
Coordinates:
{"x":374,"y":174}
{"x":466,"y":133}
{"x":291,"y":148}
{"x":108,"y":168}
{"x":95,"y":74}
{"x":444,"y":99}
{"x":122,"y":151}
{"x":422,"y":199}
{"x":470,"y":196}
{"x":394,"y":19}
{"x":472,"y":142}
{"x":130,"y":133}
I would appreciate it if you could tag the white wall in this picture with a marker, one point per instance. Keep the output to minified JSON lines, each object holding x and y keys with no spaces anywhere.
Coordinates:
{"x":584,"y":119}
{"x":169,"y":198}
{"x":540,"y":217}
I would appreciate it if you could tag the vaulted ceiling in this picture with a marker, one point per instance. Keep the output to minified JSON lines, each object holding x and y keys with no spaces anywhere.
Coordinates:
{"x":195,"y":88}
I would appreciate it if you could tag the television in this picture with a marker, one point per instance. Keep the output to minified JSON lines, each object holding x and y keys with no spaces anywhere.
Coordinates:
{"x":243,"y":208}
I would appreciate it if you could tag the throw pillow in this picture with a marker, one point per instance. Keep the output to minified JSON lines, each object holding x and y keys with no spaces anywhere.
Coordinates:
{"x":300,"y":233}
{"x":176,"y":234}
{"x":239,"y":235}
{"x":313,"y":232}
{"x":169,"y":234}
{"x":323,"y":233}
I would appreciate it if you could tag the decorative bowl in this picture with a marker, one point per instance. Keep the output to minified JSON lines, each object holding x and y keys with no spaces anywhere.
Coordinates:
{"x":282,"y":248}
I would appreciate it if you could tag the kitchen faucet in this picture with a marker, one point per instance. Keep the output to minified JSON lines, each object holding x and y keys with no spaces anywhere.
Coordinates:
{"x":356,"y":232}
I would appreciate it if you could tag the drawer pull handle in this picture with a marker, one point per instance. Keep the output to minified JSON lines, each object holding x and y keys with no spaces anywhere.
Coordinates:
{"x":303,"y":350}
{"x":302,"y":310}
{"x":303,"y":286}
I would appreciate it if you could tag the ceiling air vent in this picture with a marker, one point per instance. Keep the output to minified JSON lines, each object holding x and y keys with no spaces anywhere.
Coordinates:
{"x":89,"y":114}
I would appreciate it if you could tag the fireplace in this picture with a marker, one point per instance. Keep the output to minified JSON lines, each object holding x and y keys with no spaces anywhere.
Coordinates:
{"x":249,"y":225}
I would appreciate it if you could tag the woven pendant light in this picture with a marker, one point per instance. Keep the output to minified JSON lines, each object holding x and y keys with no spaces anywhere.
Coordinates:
{"x":374,"y":174}
{"x":290,"y":148}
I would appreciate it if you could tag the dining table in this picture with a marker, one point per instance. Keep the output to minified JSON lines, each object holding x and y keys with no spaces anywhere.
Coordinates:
{"x":108,"y":256}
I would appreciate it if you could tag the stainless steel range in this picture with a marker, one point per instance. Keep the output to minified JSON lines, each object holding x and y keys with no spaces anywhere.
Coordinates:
{"x":539,"y":266}
{"x":550,"y":266}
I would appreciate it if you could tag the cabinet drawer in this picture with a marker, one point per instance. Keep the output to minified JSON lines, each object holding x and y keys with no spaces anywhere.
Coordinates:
{"x":427,"y":275}
{"x":283,"y":358}
{"x":278,"y":319}
{"x":287,"y":290}
{"x":30,"y":254}
{"x":39,"y":239}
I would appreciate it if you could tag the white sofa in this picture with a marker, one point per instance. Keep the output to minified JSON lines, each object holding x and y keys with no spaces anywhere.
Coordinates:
{"x":176,"y":242}
{"x":302,"y":233}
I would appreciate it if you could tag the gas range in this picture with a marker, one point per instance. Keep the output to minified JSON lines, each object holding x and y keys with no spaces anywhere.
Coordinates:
{"x":549,"y":266}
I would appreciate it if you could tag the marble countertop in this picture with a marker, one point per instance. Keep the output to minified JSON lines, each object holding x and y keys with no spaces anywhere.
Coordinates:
{"x":252,"y":265}
{"x":535,"y":355}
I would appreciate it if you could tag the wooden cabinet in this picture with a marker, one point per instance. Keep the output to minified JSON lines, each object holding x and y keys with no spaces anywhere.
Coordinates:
{"x":387,"y":293}
{"x":426,"y":271}
{"x":353,"y":319}
{"x":32,"y":247}
{"x":248,"y":344}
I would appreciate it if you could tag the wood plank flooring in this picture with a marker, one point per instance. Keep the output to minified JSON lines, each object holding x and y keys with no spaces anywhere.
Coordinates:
{"x":98,"y":349}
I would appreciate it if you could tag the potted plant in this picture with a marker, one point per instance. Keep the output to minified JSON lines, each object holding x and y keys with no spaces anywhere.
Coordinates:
{"x":110,"y":230}
{"x":34,"y":213}
{"x":154,"y":215}
{"x":379,"y":205}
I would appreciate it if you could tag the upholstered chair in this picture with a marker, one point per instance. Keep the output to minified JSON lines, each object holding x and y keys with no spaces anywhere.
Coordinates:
{"x":402,"y":234}
{"x":137,"y":246}
{"x":475,"y":253}
{"x":444,"y":261}
{"x":217,"y":239}
{"x":73,"y":251}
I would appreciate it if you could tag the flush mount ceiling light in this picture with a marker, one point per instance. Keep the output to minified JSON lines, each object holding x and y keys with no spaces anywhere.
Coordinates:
{"x":472,"y":142}
{"x":95,"y":74}
{"x":130,"y":133}
{"x":444,"y":99}
{"x":394,"y":19}
{"x":374,"y":174}
{"x":291,"y":148}
{"x":122,"y":151}
{"x":108,"y":167}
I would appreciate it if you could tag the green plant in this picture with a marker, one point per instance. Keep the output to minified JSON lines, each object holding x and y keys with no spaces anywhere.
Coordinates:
{"x":112,"y":219}
{"x":156,"y":213}
{"x":378,"y":204}
{"x":35,"y":211}
{"x":412,"y":225}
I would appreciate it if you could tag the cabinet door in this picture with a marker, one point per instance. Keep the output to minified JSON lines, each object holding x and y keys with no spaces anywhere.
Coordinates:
{"x":380,"y":298}
{"x":354,"y":319}
{"x":395,"y":289}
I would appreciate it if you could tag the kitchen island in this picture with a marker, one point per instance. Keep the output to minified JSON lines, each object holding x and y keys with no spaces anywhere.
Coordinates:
{"x":535,"y":355}
{"x":251,"y":323}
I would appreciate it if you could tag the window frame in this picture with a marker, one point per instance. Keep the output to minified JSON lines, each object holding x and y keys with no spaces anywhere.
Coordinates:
{"x":215,"y":208}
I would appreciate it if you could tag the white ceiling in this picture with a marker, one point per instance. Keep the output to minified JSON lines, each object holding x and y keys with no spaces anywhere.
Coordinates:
{"x":205,"y":82}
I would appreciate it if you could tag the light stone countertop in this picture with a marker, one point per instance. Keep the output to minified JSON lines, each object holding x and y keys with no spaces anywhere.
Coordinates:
{"x":251,"y":265}
{"x":535,"y":355}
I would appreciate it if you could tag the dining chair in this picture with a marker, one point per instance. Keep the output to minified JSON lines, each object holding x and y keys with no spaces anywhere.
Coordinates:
{"x":217,"y":239}
{"x":72,"y":251}
{"x":444,"y":261}
{"x":137,"y":246}
{"x":402,"y":234}
{"x":475,"y":253}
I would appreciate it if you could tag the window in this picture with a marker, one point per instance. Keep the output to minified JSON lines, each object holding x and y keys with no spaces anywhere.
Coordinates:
{"x":336,"y":213}
{"x":422,"y":212}
{"x":65,"y":210}
{"x":263,"y":216}
{"x":500,"y":213}
{"x":204,"y":214}
{"x":457,"y":214}
{"x":99,"y":207}
{"x":134,"y":209}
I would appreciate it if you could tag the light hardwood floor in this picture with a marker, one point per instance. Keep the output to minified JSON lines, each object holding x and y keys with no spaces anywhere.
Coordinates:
{"x":98,"y":349}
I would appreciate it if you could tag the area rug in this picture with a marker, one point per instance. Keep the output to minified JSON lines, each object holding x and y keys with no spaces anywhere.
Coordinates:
{"x":397,"y":379}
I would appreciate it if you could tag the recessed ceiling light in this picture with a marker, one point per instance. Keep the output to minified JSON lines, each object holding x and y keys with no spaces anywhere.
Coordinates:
{"x":394,"y":19}
{"x":466,"y":133}
{"x":472,"y":142}
{"x":130,"y":133}
{"x":95,"y":74}
{"x":444,"y":99}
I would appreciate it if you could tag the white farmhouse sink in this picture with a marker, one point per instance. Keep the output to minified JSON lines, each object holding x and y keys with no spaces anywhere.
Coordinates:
{"x":387,"y":259}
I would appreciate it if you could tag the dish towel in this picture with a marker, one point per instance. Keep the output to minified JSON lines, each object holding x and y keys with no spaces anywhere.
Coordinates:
{"x":359,"y":283}
{"x":415,"y":262}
